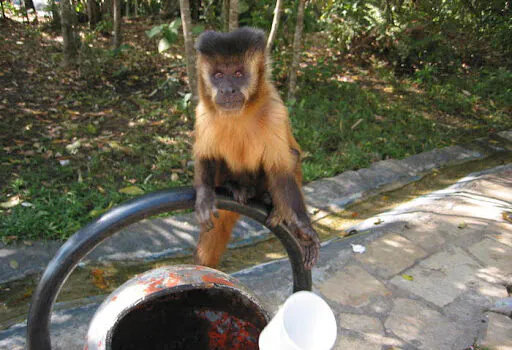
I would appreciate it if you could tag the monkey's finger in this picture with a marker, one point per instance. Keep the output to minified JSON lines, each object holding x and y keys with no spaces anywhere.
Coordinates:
{"x":215,"y":213}
{"x":310,"y":256}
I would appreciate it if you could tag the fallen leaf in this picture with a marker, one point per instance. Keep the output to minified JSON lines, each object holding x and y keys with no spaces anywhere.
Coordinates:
{"x":132,"y":190}
{"x":462,"y":225}
{"x":407,"y":277}
{"x":378,"y":221}
{"x":507,"y":216}
{"x":174,"y":177}
{"x":11,"y":202}
{"x":98,"y":279}
{"x":13,"y":264}
{"x":354,"y":214}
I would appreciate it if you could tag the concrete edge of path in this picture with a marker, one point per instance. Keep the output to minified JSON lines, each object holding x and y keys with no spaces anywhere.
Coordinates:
{"x":176,"y":236}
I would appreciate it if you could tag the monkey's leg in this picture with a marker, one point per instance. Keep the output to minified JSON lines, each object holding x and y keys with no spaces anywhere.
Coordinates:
{"x":212,"y":243}
{"x":289,"y":206}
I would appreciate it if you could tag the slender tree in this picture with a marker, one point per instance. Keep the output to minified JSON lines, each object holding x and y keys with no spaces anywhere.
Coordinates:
{"x":93,"y":12}
{"x":275,"y":24}
{"x":233,"y":14}
{"x":118,"y":36}
{"x":225,"y":15}
{"x":69,"y":37}
{"x":299,"y":27}
{"x":3,"y":12}
{"x":29,"y":5}
{"x":186,"y":22}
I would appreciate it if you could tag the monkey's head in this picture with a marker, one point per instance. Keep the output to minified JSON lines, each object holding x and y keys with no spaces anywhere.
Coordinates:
{"x":231,"y":67}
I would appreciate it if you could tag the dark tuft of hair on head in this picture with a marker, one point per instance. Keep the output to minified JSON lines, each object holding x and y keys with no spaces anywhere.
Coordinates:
{"x":234,"y":43}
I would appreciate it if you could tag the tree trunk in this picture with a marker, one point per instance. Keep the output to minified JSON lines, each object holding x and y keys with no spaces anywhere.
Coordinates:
{"x":93,"y":12}
{"x":194,"y":9}
{"x":225,"y":15}
{"x":275,"y":24}
{"x":170,"y":8}
{"x":296,"y":50}
{"x":3,"y":11}
{"x":233,"y":15}
{"x":69,"y":38}
{"x":186,"y":22}
{"x":136,"y":10}
{"x":117,"y":24}
{"x":106,"y":8}
{"x":29,"y":4}
{"x":127,"y":9}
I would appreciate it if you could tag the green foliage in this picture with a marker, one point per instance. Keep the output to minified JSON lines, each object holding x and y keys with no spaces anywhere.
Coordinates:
{"x":345,"y":125}
{"x":442,"y":35}
{"x":106,"y":25}
{"x":169,"y":34}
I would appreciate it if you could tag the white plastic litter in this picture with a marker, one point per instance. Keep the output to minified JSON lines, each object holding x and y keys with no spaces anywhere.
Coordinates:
{"x":357,"y":248}
{"x":305,"y":322}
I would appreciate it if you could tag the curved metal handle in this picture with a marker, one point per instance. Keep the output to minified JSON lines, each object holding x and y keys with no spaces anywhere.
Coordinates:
{"x":86,"y":239}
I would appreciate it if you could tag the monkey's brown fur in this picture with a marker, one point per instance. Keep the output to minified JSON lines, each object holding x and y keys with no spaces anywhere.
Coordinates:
{"x":252,"y":147}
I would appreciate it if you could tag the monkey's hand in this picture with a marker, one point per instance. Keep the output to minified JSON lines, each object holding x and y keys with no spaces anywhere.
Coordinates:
{"x":309,"y":241}
{"x":205,"y":207}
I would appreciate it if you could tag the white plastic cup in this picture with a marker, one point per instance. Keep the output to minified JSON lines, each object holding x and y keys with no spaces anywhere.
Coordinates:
{"x":305,"y":322}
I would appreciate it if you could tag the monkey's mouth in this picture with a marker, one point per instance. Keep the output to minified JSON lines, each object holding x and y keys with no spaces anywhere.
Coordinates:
{"x":233,"y":105}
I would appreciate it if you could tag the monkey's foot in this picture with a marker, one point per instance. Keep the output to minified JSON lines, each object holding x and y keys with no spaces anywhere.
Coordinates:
{"x":310,"y":244}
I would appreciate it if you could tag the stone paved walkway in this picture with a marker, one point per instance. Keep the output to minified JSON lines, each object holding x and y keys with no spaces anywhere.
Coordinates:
{"x":432,"y":271}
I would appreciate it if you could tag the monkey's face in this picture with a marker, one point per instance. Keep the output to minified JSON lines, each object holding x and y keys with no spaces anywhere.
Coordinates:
{"x":229,"y":86}
{"x":230,"y":67}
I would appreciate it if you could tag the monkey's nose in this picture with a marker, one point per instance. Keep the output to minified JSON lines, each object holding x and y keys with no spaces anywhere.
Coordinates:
{"x":229,"y":90}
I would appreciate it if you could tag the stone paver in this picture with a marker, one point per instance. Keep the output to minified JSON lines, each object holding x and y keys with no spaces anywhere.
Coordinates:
{"x":421,"y":326}
{"x":368,"y":328}
{"x":440,"y":278}
{"x":349,"y":342}
{"x":499,"y":332}
{"x":499,"y":233}
{"x":495,"y":256}
{"x":352,"y":286}
{"x":361,"y":323}
{"x":391,"y":254}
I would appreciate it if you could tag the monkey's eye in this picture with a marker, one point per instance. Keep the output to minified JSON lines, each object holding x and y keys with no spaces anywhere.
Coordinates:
{"x":218,"y":75}
{"x":238,"y":74}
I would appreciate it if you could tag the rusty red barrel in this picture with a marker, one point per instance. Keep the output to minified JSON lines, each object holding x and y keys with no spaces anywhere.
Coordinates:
{"x":178,"y":307}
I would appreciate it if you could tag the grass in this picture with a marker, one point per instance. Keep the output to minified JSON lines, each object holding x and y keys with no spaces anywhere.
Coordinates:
{"x":76,"y":143}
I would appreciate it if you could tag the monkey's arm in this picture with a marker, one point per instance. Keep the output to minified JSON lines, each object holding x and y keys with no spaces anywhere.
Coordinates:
{"x":204,"y":183}
{"x":289,"y":205}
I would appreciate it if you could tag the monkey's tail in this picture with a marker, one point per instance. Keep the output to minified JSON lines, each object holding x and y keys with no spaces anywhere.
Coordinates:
{"x":212,"y":244}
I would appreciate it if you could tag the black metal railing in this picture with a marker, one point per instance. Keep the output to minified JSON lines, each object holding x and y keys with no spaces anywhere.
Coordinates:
{"x":86,"y":239}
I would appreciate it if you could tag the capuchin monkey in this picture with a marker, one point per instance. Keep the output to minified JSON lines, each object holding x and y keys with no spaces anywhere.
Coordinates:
{"x":243,"y":142}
